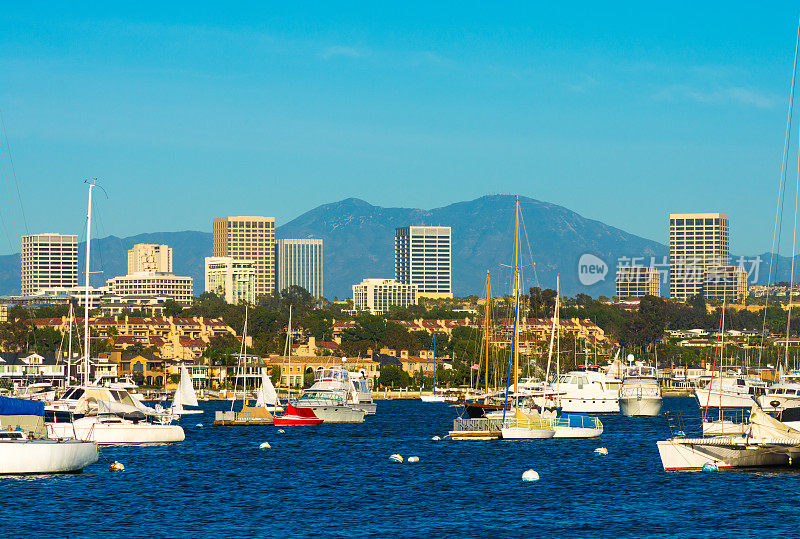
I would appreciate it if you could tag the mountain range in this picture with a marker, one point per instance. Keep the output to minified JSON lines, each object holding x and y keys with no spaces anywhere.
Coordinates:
{"x":359,"y":243}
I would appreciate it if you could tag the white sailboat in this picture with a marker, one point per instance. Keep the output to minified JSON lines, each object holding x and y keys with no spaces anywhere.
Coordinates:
{"x":267,"y":397}
{"x":23,"y":450}
{"x":103,"y":415}
{"x":521,"y":425}
{"x":433,"y":397}
{"x":184,"y":396}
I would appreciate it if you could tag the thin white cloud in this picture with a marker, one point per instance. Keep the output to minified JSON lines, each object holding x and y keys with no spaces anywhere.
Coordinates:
{"x":347,"y":52}
{"x":730,"y":94}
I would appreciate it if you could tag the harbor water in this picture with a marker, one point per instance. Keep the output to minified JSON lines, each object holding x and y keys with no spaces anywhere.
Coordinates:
{"x":338,"y":481}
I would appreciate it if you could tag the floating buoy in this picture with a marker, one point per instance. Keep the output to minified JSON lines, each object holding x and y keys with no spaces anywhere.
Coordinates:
{"x":281,"y":431}
{"x":710,"y":467}
{"x":199,"y":425}
{"x":265,"y":445}
{"x":601,"y":451}
{"x":396,"y":458}
{"x":436,"y":438}
{"x":530,"y":475}
{"x":413,"y":459}
{"x":116,"y":466}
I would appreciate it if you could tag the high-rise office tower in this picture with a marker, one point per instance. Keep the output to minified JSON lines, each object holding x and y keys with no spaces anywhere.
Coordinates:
{"x":697,"y":242}
{"x":249,"y":238}
{"x":149,"y":257}
{"x":49,"y":261}
{"x":299,"y":262}
{"x":422,"y":256}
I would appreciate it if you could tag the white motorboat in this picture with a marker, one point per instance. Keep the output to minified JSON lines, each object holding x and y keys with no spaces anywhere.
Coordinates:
{"x":108,"y":416}
{"x":766,"y":442}
{"x":40,"y":391}
{"x":330,"y":397}
{"x":432,"y":398}
{"x":780,"y":395}
{"x":576,"y":426}
{"x":589,"y":392}
{"x":23,"y":453}
{"x":640,"y":394}
{"x":730,"y":392}
{"x":360,"y":395}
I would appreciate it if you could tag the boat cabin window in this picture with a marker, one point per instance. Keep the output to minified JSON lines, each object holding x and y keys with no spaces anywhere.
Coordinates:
{"x":74,"y":394}
{"x":612,"y":385}
{"x":739,"y":382}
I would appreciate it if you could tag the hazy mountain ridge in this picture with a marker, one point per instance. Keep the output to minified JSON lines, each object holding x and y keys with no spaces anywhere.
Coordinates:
{"x":359,"y":243}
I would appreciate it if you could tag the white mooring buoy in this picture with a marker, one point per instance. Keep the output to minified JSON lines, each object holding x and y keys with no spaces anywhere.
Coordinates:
{"x":281,"y":431}
{"x":413,"y":459}
{"x":436,"y":438}
{"x":601,"y":451}
{"x":265,"y":445}
{"x":530,"y":475}
{"x":199,"y":425}
{"x":396,"y":458}
{"x":116,"y":466}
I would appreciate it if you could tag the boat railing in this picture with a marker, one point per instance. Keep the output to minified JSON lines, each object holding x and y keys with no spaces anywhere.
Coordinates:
{"x":479,"y":424}
{"x":529,"y":422}
{"x":677,"y":428}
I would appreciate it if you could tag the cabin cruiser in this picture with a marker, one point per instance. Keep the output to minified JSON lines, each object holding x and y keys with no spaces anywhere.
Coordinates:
{"x":331,"y":397}
{"x":765,"y":442}
{"x":779,"y":396}
{"x":640,"y":394}
{"x":40,"y":391}
{"x":109,"y":417}
{"x":360,"y":394}
{"x":589,"y":392}
{"x":24,"y":448}
{"x":730,"y":392}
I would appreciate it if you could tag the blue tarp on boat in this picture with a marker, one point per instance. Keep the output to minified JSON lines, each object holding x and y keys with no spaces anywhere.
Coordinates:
{"x":20,"y":407}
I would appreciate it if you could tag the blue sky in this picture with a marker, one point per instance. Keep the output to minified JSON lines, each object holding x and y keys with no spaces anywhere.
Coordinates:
{"x":622,"y":112}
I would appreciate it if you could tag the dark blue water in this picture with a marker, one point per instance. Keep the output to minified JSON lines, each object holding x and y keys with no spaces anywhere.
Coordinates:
{"x":337,"y":481}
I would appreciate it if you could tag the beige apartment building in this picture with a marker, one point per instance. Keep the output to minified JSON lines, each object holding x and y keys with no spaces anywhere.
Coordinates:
{"x":149,"y":257}
{"x":377,"y":295}
{"x":726,"y":282}
{"x":251,"y":239}
{"x":233,"y":280}
{"x":47,"y":261}
{"x":637,"y":281}
{"x":153,"y":284}
{"x":697,"y":242}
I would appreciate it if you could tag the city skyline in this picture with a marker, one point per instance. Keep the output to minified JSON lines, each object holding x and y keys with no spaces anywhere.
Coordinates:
{"x":480,"y":103}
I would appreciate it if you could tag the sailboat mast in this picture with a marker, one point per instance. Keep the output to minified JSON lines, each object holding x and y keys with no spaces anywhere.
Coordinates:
{"x":553,"y":331}
{"x":516,"y":297}
{"x":86,"y":296}
{"x":486,"y":332}
{"x":289,"y":353}
{"x":69,"y":346}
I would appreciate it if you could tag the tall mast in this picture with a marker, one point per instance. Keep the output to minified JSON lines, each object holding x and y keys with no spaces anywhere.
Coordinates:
{"x":553,"y":331}
{"x":69,"y":346}
{"x":486,"y":332}
{"x":86,"y":296}
{"x":289,"y":352}
{"x":516,"y":297}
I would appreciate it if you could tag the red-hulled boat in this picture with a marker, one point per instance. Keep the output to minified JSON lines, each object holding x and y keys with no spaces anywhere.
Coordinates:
{"x":296,"y":416}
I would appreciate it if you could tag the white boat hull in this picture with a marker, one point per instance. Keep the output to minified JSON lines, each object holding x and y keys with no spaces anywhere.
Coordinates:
{"x":523,"y":433}
{"x":777,"y":403}
{"x":722,"y":399}
{"x":431,"y":398}
{"x":577,"y":432}
{"x":640,"y":406}
{"x":600,"y":405}
{"x":369,"y":408}
{"x":336,"y":414}
{"x":46,"y":456}
{"x":682,"y":454}
{"x":125,"y":433}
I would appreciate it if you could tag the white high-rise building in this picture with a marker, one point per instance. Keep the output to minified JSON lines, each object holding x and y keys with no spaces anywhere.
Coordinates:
{"x":149,"y":257}
{"x":377,"y":295}
{"x":299,"y":262}
{"x":423,"y":257}
{"x":151,"y":284}
{"x":697,"y":242}
{"x":252,"y":239}
{"x":47,"y":261}
{"x":233,"y":280}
